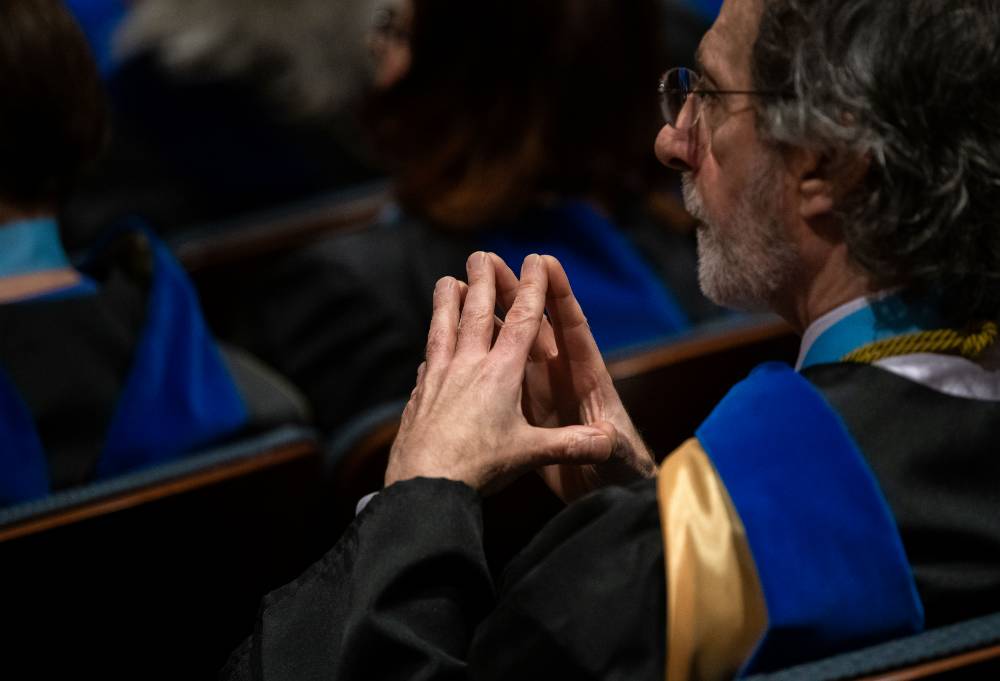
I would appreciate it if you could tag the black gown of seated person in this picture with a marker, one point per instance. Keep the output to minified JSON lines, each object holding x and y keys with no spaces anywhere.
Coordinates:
{"x":407,"y":593}
{"x":401,"y":597}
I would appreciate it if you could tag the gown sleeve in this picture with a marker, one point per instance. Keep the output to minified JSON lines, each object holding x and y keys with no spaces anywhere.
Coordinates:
{"x":407,"y":594}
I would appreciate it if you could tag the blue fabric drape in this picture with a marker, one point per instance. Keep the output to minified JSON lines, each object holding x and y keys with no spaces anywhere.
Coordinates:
{"x":831,"y":563}
{"x":99,"y":19}
{"x":24,"y":474}
{"x":626,"y":303}
{"x":179,"y":395}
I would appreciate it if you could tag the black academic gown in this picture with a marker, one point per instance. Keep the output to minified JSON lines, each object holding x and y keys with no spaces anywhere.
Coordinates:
{"x":407,"y":593}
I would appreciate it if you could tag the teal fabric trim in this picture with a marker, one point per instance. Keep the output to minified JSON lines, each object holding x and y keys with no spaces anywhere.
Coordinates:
{"x":29,"y":246}
{"x":882,"y":319}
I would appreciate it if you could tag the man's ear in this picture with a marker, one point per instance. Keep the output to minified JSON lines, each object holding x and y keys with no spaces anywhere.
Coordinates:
{"x":823,"y":181}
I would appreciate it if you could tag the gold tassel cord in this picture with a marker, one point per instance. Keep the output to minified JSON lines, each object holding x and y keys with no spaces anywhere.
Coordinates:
{"x":941,"y":341}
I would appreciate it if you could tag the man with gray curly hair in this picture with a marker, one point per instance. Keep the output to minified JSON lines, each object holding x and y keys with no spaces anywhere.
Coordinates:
{"x":838,"y":155}
{"x":896,"y":156}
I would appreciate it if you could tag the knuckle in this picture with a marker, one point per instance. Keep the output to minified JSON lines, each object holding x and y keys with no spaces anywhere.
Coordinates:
{"x":437,"y":341}
{"x":530,"y":289}
{"x":524,"y":317}
{"x":519,"y":332}
{"x":520,"y":315}
{"x":476,"y":320}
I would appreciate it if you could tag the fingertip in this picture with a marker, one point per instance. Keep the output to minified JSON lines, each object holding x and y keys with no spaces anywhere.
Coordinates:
{"x":607,"y":428}
{"x":547,"y":351}
{"x":552,"y":261}
{"x":588,"y":444}
{"x":526,"y":264}
{"x":444,"y":284}
{"x":591,"y":445}
{"x":476,"y":260}
{"x":556,"y":273}
{"x":602,"y":438}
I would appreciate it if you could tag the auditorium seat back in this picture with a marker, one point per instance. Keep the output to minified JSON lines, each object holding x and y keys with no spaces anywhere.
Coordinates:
{"x":226,"y":261}
{"x":957,"y":652}
{"x":157,"y":574}
{"x":217,"y":246}
{"x":670,"y":389}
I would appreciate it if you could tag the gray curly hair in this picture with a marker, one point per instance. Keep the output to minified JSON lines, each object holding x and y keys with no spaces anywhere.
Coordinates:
{"x":312,"y":55}
{"x":913,"y":88}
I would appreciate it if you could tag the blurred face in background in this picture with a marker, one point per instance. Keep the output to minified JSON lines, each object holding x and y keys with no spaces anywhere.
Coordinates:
{"x":390,"y":42}
{"x":485,"y":108}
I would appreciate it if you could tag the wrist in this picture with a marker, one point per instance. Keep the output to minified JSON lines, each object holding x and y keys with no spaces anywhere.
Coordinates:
{"x":397,"y":473}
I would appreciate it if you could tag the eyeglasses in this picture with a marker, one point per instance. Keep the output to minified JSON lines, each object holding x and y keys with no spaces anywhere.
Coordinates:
{"x":678,"y":84}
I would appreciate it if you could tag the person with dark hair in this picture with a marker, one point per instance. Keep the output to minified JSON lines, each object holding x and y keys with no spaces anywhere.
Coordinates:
{"x":842,"y":179}
{"x":509,"y":127}
{"x":109,"y":367}
{"x":536,"y":138}
{"x":50,"y":128}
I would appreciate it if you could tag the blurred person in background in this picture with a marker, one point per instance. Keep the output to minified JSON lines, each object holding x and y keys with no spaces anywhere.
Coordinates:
{"x":517,"y":128}
{"x":224,"y":107}
{"x":108,"y":367}
{"x":507,"y":126}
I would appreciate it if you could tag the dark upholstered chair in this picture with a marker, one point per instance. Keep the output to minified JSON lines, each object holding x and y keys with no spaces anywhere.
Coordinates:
{"x":157,"y":574}
{"x":966,"y":650}
{"x":670,"y":389}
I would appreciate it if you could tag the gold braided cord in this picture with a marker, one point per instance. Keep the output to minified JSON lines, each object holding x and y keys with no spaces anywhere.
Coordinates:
{"x":942,"y":341}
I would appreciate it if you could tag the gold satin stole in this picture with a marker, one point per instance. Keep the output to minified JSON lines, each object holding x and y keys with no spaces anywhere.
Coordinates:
{"x":716,"y":612}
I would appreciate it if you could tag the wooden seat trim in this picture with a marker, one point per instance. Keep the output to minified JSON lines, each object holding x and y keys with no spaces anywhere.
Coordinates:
{"x":929,"y":669}
{"x":210,"y":476}
{"x":699,"y":343}
{"x":254,"y":238}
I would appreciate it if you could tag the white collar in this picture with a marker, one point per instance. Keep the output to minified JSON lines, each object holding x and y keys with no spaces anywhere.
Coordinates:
{"x":823,"y":323}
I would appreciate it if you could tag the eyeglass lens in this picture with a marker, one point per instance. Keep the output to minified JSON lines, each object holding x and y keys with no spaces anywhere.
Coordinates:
{"x":675,"y":86}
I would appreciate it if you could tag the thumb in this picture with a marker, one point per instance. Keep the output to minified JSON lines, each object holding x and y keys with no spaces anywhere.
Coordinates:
{"x":570,"y":444}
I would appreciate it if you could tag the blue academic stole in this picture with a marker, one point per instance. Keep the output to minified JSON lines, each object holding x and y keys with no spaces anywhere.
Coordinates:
{"x":830,"y":560}
{"x":178,"y":395}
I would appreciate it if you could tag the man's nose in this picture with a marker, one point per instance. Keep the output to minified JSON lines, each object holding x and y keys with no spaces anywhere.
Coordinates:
{"x":677,"y":149}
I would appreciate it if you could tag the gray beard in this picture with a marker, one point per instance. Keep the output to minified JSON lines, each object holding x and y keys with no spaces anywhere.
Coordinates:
{"x":744,"y":265}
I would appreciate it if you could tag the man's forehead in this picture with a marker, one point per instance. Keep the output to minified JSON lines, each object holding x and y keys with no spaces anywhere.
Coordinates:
{"x":728,"y":44}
